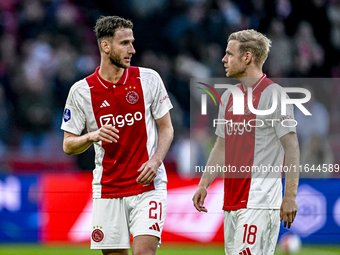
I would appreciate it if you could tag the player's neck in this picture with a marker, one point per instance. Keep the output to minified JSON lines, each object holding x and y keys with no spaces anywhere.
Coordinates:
{"x":110,"y":73}
{"x":251,"y":77}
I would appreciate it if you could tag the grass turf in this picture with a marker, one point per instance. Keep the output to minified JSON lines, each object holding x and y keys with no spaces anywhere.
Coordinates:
{"x":166,"y":250}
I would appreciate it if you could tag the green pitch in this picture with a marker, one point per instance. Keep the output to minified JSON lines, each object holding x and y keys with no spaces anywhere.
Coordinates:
{"x":47,"y":250}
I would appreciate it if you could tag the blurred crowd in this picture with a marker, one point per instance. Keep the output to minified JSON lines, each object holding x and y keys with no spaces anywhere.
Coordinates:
{"x":47,"y":45}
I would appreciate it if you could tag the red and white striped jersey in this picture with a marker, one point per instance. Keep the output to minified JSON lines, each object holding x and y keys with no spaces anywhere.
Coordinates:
{"x":253,"y":149}
{"x":131,"y":105}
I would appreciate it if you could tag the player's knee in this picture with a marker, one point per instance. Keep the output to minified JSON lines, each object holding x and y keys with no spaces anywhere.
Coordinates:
{"x":145,"y":245}
{"x":144,"y":251}
{"x":115,"y":252}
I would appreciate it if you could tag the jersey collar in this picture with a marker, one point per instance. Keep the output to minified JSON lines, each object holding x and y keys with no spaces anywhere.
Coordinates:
{"x":256,"y":84}
{"x":107,"y":84}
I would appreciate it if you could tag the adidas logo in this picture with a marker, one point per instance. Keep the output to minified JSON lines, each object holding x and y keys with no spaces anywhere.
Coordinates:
{"x":245,"y":252}
{"x":230,"y":109}
{"x":104,"y":104}
{"x":155,"y":227}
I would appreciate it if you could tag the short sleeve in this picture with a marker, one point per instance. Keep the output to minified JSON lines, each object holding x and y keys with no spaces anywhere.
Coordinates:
{"x":161,"y":103}
{"x":73,"y":117}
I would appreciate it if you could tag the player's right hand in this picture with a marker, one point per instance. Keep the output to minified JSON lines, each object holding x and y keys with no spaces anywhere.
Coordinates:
{"x":106,"y":134}
{"x":199,"y":198}
{"x":288,"y":211}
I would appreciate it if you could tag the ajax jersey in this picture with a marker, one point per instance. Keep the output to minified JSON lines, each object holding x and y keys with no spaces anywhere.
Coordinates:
{"x":253,"y":148}
{"x":131,"y":105}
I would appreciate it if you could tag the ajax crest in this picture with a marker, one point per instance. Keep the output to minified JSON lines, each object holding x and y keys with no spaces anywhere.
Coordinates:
{"x":97,"y":235}
{"x":132,"y":97}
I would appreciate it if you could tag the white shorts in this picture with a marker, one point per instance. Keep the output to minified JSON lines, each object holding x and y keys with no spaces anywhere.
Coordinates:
{"x":113,"y":220}
{"x":251,"y":231}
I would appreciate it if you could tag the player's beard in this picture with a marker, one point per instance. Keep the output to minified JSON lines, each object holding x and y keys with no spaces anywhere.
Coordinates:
{"x":117,"y":61}
{"x":236,"y":72}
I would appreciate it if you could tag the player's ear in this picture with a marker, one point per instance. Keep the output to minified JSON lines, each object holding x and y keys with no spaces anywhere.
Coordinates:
{"x":105,"y":46}
{"x":247,"y":58}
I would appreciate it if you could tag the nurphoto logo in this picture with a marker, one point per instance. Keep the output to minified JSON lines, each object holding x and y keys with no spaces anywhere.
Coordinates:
{"x":238,"y":99}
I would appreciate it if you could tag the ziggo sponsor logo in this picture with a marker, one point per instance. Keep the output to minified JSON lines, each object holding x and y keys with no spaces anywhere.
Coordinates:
{"x":120,"y":120}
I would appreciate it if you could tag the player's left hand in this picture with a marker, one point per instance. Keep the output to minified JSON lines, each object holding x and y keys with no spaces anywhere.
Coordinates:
{"x":288,"y":211}
{"x":148,"y":171}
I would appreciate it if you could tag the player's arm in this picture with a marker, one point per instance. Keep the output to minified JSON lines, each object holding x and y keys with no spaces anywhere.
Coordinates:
{"x":165,"y":135}
{"x":216,"y":157}
{"x":75,"y":144}
{"x":292,"y":160}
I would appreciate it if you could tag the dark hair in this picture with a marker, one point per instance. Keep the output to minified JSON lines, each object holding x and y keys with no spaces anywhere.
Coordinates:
{"x":106,"y":26}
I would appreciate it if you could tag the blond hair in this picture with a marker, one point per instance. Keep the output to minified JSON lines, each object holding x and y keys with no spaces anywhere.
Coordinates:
{"x":254,"y":42}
